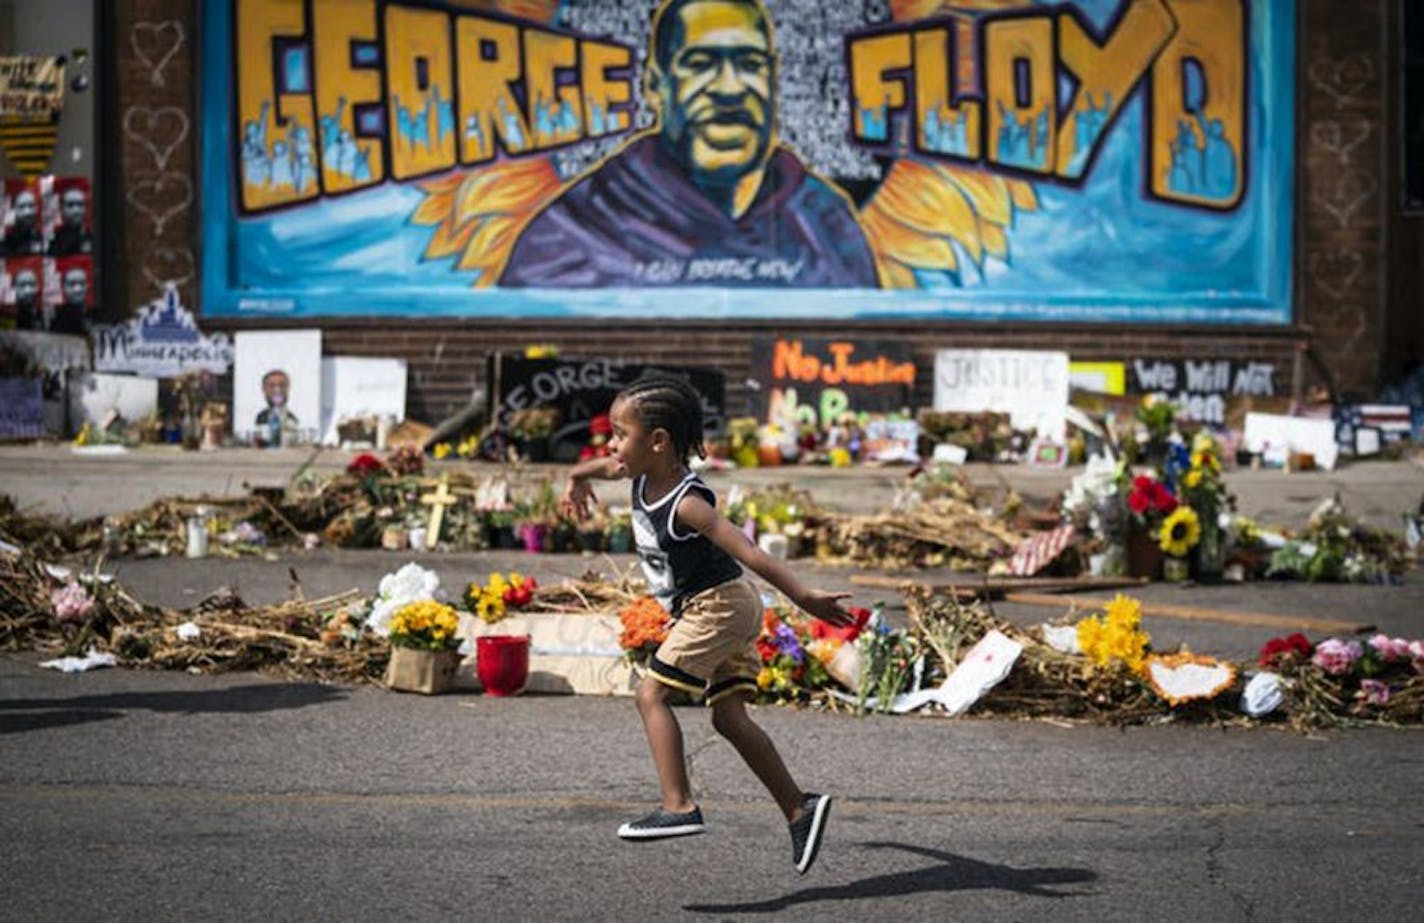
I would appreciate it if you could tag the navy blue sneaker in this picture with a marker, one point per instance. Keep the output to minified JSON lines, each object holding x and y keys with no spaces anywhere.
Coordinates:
{"x":807,"y":830}
{"x":661,"y":824}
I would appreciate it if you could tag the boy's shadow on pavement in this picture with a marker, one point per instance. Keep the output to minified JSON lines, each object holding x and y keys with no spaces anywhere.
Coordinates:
{"x":19,"y":715}
{"x":953,"y":873}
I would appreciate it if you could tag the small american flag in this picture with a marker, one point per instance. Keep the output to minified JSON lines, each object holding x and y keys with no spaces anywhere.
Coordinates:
{"x":1038,"y":551}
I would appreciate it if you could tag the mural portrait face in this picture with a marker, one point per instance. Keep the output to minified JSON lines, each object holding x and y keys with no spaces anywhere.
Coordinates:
{"x":72,"y":207}
{"x":275,"y":388}
{"x":27,"y":287}
{"x":713,"y":75}
{"x":76,"y":286}
{"x":25,"y":207}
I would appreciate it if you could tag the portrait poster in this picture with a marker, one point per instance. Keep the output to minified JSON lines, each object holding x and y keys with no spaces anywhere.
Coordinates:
{"x":23,"y":231}
{"x":1090,"y":160}
{"x":68,"y":217}
{"x":69,"y":293}
{"x":277,"y":386}
{"x":22,"y":295}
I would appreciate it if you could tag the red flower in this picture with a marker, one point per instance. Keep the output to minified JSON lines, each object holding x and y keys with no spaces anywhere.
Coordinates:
{"x":365,"y":464}
{"x":766,"y":650}
{"x":1294,"y":645}
{"x":1162,"y":499}
{"x":1139,"y":501}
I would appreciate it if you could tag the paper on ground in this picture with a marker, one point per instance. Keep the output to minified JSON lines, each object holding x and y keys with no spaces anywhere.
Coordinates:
{"x":89,"y":661}
{"x":983,"y":668}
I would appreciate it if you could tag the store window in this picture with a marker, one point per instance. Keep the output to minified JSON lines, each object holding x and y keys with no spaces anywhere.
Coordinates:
{"x":49,"y":165}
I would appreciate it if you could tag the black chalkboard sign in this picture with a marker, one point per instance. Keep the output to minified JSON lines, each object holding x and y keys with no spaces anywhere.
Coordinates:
{"x":583,"y":388}
{"x":815,"y":380}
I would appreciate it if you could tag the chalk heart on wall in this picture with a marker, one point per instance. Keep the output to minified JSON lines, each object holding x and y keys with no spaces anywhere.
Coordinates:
{"x":161,"y":198}
{"x":169,"y":264}
{"x":1342,"y":80}
{"x":1343,"y":192}
{"x":1336,"y":271}
{"x":155,"y":44}
{"x":158,"y":131}
{"x":1339,"y":139}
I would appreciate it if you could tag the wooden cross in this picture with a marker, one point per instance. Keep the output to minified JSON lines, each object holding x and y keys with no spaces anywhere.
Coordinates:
{"x":437,"y":503}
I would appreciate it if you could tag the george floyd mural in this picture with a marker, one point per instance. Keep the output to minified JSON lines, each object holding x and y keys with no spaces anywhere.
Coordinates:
{"x":1098,"y":160}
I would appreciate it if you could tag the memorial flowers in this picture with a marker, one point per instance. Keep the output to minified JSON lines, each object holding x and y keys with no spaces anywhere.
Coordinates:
{"x":72,"y":603}
{"x":645,"y":626}
{"x":425,"y":625}
{"x":409,"y":584}
{"x":1115,"y":637}
{"x":491,"y":601}
{"x":1180,"y":531}
{"x":1293,"y":648}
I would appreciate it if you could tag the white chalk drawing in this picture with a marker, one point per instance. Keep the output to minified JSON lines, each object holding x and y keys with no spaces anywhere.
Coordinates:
{"x":1343,"y":193}
{"x":170,"y":265}
{"x":159,"y":131}
{"x":152,"y":189}
{"x":167,"y":36}
{"x":1340,"y":139}
{"x":1343,"y":80}
{"x":1336,"y":272}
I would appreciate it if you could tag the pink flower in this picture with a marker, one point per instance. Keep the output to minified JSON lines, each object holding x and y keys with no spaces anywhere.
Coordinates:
{"x":72,"y":603}
{"x":1416,"y":651}
{"x":1336,"y":657}
{"x":1390,"y":650}
{"x":1374,"y":692}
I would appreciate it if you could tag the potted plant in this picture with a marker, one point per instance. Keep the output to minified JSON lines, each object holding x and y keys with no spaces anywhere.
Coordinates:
{"x":424,"y":647}
{"x":620,"y":533}
{"x":531,"y":428}
{"x":499,"y":526}
{"x":1149,"y":502}
{"x":1204,"y":491}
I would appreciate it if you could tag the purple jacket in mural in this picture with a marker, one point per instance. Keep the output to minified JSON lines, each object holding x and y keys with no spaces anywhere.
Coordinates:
{"x":637,"y":220}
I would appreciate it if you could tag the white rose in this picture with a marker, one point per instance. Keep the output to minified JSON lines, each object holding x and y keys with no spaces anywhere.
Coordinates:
{"x":406,"y":585}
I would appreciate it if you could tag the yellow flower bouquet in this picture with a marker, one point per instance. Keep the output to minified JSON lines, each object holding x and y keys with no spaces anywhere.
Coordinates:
{"x":425,"y":625}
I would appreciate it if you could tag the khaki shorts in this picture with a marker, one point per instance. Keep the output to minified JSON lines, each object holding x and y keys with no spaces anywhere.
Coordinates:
{"x":711,"y":648}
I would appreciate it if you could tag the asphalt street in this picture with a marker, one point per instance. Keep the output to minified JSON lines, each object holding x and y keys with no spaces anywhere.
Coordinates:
{"x":156,"y":796}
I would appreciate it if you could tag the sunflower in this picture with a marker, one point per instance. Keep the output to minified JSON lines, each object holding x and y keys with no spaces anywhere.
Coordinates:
{"x":490,"y":608}
{"x":1180,"y":531}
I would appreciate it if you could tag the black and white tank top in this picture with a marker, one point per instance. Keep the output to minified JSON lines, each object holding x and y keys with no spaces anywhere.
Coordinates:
{"x":677,"y":564}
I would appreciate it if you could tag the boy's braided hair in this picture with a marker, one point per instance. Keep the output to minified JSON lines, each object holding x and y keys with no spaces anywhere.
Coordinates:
{"x":665,"y":402}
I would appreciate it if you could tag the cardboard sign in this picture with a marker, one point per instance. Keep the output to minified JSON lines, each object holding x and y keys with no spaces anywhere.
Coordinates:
{"x":1031,"y":386}
{"x":813,"y":381}
{"x":277,"y":386}
{"x":1273,"y":434}
{"x":582,"y":388}
{"x":21,"y":409}
{"x":163,"y":341}
{"x":1201,"y":387}
{"x":357,"y":386}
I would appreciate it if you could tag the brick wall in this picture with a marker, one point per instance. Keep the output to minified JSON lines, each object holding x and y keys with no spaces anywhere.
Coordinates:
{"x":1345,"y":189}
{"x":1341,"y":263}
{"x":153,"y":173}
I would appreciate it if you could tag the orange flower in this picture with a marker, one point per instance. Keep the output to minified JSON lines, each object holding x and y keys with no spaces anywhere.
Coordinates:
{"x":645,"y":624}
